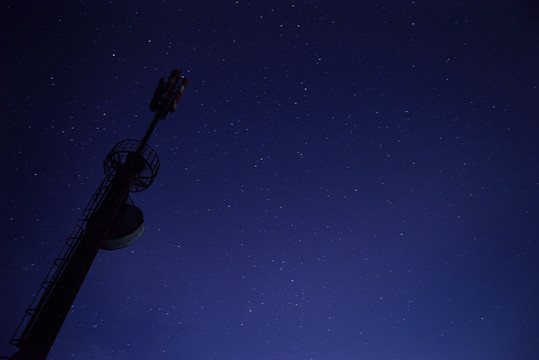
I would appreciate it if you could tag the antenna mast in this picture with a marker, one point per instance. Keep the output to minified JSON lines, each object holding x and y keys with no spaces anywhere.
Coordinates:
{"x":111,"y":221}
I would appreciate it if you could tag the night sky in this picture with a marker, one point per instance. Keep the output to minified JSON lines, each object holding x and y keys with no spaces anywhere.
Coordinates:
{"x":338,"y":182}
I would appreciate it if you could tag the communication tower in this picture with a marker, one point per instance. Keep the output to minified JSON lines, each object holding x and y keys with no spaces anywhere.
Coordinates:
{"x":110,"y":221}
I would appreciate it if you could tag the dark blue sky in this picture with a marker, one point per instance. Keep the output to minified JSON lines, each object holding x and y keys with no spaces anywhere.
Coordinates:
{"x":339,"y":181}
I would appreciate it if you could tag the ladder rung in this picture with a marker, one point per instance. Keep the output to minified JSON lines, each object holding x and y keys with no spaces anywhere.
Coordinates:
{"x":15,"y":342}
{"x":30,"y":311}
{"x":45,"y":284}
{"x":60,"y":261}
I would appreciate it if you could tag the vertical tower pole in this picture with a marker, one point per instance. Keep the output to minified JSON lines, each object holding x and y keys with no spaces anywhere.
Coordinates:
{"x":59,"y":293}
{"x":40,"y":336}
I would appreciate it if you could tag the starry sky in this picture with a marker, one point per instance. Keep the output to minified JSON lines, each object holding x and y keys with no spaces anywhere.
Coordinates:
{"x":339,"y":181}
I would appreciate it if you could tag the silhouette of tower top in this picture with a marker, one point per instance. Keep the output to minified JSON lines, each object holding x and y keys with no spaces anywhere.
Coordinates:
{"x":110,"y":221}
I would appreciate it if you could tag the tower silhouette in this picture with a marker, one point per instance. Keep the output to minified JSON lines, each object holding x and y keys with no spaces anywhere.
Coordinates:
{"x":110,"y":221}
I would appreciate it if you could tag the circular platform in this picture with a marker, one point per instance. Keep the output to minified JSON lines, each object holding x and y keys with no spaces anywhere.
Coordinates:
{"x":128,"y":228}
{"x":127,"y":148}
